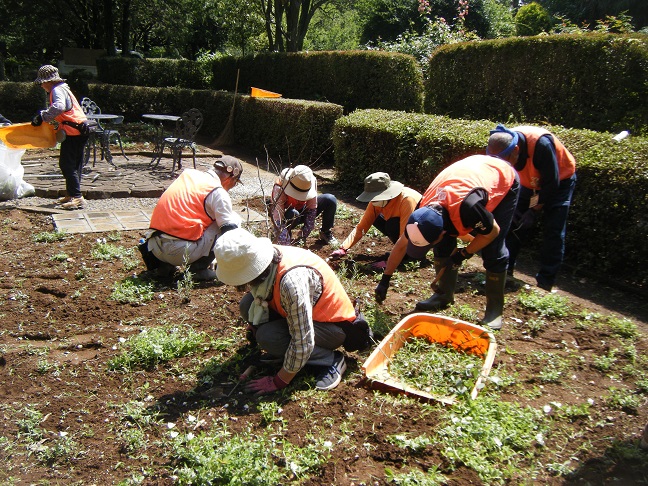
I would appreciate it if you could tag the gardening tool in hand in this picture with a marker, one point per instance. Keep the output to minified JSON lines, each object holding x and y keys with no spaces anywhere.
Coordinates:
{"x":244,"y":376}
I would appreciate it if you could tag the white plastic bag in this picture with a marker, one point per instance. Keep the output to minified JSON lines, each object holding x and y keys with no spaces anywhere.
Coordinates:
{"x":12,"y":185}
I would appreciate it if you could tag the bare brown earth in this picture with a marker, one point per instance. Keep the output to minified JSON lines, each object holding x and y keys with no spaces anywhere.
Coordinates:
{"x":60,"y":328}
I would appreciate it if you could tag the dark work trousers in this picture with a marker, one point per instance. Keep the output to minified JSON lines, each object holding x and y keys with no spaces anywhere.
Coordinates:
{"x":554,"y":222}
{"x":71,"y":163}
{"x":326,"y":206}
{"x":495,"y":255}
{"x":390,"y":227}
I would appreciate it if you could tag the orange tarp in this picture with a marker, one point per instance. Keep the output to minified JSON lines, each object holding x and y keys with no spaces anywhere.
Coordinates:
{"x":262,"y":93}
{"x":27,"y":136}
{"x":462,"y":335}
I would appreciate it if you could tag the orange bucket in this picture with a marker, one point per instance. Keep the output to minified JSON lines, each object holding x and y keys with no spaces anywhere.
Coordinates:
{"x":27,"y":136}
{"x":262,"y":93}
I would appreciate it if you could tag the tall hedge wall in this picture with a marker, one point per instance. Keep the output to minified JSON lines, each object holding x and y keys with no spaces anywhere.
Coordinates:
{"x":353,"y":79}
{"x":592,"y":81}
{"x":152,"y":72}
{"x":609,"y":218}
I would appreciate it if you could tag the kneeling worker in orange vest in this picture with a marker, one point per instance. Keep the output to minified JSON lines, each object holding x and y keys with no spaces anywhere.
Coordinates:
{"x":297,"y":309}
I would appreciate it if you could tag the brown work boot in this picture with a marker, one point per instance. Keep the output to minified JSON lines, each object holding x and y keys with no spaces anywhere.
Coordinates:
{"x":74,"y":203}
{"x":63,"y":199}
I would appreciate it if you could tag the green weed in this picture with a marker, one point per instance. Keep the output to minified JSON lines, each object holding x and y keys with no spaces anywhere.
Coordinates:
{"x":414,"y":444}
{"x":156,"y":345}
{"x":491,"y":436}
{"x":60,"y":257}
{"x":548,"y":305}
{"x":605,"y":362}
{"x":463,"y":312}
{"x":50,"y":236}
{"x":432,"y":477}
{"x":220,"y":457}
{"x":132,"y":290}
{"x":108,"y":251}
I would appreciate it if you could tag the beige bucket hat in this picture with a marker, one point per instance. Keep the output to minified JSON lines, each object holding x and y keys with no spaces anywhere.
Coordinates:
{"x":379,"y":187}
{"x":47,"y":73}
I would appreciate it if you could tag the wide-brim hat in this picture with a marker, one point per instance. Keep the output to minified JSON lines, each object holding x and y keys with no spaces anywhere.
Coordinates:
{"x":300,"y":183}
{"x":379,"y":187}
{"x":241,"y":257}
{"x":47,"y":73}
{"x":423,"y":228}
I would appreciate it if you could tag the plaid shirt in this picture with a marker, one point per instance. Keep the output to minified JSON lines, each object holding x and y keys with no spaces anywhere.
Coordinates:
{"x":300,"y":289}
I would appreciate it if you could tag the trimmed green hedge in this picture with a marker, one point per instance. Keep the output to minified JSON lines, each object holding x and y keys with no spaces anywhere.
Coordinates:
{"x":594,"y":81}
{"x":608,"y":222}
{"x":353,"y":79}
{"x":297,"y":131}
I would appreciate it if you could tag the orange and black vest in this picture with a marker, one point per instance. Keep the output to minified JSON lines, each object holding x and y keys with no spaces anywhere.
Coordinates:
{"x":74,"y":114}
{"x":180,"y":212}
{"x":456,"y":181}
{"x":333,"y":305}
{"x":529,"y":175}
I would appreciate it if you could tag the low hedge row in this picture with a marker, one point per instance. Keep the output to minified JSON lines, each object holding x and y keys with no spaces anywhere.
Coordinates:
{"x":594,"y":81}
{"x":297,"y":131}
{"x":609,"y":217}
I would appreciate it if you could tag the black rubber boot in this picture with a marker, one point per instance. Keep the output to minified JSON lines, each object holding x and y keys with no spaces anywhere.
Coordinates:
{"x":447,"y":283}
{"x":494,"y":300}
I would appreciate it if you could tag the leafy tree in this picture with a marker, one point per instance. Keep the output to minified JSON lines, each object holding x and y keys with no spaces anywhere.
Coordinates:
{"x":589,"y":11}
{"x":532,"y":19}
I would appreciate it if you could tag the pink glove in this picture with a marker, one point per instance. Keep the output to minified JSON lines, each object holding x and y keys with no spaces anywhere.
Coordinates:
{"x":265,"y":385}
{"x":379,"y":265}
{"x":339,"y":253}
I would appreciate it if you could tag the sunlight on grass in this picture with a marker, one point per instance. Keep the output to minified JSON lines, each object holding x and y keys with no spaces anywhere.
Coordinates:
{"x":156,"y":345}
{"x":492,"y":437}
{"x":108,"y":251}
{"x":549,"y":305}
{"x":132,"y":290}
{"x":220,"y":457}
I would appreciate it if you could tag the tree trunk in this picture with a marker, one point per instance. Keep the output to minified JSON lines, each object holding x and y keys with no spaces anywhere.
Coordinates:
{"x":125,"y":33}
{"x":109,"y":28}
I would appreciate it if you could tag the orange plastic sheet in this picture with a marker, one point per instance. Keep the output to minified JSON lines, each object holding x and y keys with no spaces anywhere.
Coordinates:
{"x":462,"y":335}
{"x":27,"y":136}
{"x":262,"y":93}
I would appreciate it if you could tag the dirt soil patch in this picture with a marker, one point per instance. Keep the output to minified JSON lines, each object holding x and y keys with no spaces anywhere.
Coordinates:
{"x":60,"y":328}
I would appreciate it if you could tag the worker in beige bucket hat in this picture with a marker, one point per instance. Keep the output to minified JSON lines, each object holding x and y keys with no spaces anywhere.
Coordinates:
{"x":64,"y":109}
{"x":295,"y":203}
{"x":389,"y":206}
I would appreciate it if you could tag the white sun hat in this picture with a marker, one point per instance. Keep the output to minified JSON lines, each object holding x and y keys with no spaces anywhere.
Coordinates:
{"x":241,"y":257}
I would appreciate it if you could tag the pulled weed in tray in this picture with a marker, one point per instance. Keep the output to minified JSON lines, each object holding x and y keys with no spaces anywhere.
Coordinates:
{"x":436,"y":368}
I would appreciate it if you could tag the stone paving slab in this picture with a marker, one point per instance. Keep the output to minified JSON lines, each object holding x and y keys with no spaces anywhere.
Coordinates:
{"x":137,"y":219}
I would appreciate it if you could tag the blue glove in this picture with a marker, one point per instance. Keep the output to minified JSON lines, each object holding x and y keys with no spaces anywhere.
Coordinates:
{"x":37,"y":120}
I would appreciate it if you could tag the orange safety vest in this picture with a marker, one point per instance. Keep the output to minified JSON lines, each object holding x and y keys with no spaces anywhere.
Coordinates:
{"x":333,"y":305}
{"x":74,"y":114}
{"x":180,"y":212}
{"x":456,"y":181}
{"x":529,"y":175}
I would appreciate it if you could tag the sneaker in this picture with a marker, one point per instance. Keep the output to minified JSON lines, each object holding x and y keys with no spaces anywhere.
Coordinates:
{"x":331,"y":376}
{"x":74,"y":203}
{"x":327,"y":238}
{"x":63,"y":199}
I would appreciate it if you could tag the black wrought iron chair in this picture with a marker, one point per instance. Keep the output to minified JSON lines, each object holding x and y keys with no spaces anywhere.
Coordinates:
{"x":183,"y":137}
{"x":101,"y":134}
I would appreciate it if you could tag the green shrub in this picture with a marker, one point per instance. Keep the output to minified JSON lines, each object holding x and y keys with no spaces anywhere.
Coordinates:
{"x":532,"y":19}
{"x":20,"y":101}
{"x":594,"y":81}
{"x":353,"y":79}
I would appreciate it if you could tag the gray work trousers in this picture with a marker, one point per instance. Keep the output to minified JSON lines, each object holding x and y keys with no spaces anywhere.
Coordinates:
{"x":274,"y":336}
